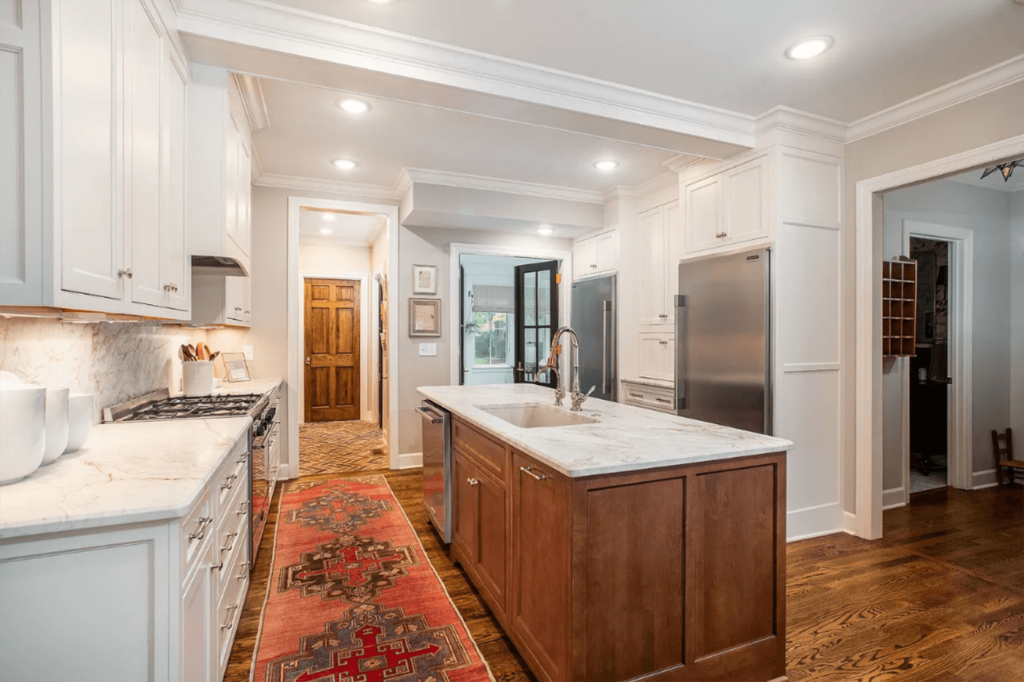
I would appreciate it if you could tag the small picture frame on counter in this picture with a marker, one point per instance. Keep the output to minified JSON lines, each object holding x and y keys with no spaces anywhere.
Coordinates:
{"x":424,"y":279}
{"x":235,"y":367}
{"x":424,"y":317}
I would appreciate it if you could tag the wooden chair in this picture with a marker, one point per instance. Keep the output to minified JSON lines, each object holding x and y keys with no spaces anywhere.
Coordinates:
{"x":1011,"y":466}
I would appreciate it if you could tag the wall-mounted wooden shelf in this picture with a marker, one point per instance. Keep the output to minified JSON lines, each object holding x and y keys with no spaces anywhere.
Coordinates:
{"x":899,"y":308}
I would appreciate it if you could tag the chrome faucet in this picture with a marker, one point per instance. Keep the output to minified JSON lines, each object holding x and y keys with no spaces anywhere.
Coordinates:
{"x":551,"y":363}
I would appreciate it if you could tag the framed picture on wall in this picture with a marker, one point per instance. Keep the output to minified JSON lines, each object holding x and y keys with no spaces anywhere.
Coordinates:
{"x":424,"y":279}
{"x":424,"y":317}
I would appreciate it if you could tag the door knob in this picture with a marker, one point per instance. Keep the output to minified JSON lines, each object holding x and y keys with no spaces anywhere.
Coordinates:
{"x":309,"y":360}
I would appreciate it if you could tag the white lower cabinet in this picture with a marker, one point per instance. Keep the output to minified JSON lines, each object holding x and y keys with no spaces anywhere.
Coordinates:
{"x":657,"y":356}
{"x":154,"y":601}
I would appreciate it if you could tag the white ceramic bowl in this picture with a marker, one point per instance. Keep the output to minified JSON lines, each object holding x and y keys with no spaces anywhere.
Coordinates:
{"x":22,"y":430}
{"x":79,"y":420}
{"x":56,"y":423}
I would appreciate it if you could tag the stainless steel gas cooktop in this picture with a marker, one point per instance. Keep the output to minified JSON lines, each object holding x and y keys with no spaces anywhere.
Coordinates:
{"x":159,"y":405}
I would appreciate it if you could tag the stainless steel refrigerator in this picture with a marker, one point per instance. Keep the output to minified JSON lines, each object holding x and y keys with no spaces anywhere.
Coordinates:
{"x":593,"y":320}
{"x":723,"y":340}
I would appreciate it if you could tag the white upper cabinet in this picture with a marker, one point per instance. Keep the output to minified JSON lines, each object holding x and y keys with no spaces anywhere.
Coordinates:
{"x":657,"y":232}
{"x":596,"y":255}
{"x":727,"y":208}
{"x":114,"y":140}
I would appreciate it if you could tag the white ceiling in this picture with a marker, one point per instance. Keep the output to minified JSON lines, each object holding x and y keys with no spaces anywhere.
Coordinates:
{"x":347,"y":229}
{"x":993,"y":181}
{"x":726,"y":54}
{"x":308,"y":130}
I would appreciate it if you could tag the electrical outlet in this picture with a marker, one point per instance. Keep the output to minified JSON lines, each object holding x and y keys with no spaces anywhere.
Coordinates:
{"x":428,"y":349}
{"x":247,"y":352}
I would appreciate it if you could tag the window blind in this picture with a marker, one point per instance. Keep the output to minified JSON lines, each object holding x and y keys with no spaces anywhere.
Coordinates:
{"x":494,"y":299}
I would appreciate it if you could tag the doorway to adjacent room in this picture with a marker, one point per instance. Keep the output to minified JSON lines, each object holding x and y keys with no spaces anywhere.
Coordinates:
{"x":333,"y":340}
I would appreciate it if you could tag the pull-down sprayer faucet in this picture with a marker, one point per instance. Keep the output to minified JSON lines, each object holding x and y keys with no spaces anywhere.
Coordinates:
{"x":551,"y":363}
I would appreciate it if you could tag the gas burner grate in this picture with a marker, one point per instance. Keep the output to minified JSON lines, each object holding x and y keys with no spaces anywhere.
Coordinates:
{"x":194,"y":407}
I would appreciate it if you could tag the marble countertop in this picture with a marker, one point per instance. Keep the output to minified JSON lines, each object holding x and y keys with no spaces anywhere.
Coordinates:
{"x":243,"y":387}
{"x":624,"y":439}
{"x":126,"y":473}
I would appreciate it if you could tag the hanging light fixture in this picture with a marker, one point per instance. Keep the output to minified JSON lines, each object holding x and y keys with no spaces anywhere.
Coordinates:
{"x":1005,"y":169}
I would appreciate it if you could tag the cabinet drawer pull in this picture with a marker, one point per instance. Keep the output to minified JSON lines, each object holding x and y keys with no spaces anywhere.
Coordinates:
{"x":241,"y":458}
{"x":243,"y":508}
{"x":722,"y":234}
{"x":217,"y":566}
{"x":231,"y":621}
{"x":637,"y":395}
{"x":472,"y":481}
{"x":125,"y":273}
{"x":228,"y":482}
{"x":237,"y":309}
{"x":664,"y":400}
{"x":663,"y":315}
{"x":593,"y":267}
{"x":243,"y":573}
{"x":529,"y":470}
{"x":204,"y":521}
{"x":231,"y":543}
{"x":663,"y":342}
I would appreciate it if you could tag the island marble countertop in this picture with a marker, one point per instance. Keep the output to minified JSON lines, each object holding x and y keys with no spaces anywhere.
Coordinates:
{"x":126,"y":473}
{"x":624,"y":439}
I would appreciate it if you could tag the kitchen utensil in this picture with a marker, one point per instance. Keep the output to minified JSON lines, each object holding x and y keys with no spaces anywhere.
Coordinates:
{"x":79,"y":420}
{"x":199,"y":351}
{"x":22,"y":430}
{"x":204,"y":351}
{"x":56,"y":423}
{"x":214,"y":356}
{"x":197,"y":378}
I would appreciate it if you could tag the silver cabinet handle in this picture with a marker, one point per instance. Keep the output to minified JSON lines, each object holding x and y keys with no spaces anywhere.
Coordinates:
{"x":125,"y":273}
{"x":242,"y":508}
{"x":217,"y":566}
{"x":230,"y":538}
{"x":529,"y":470}
{"x":637,"y":395}
{"x":231,"y":621}
{"x":168,"y":287}
{"x":721,"y":234}
{"x":228,"y":482}
{"x":241,"y":458}
{"x":204,"y":521}
{"x":664,"y":400}
{"x":243,"y":573}
{"x":663,"y":315}
{"x":663,"y":342}
{"x":472,"y":481}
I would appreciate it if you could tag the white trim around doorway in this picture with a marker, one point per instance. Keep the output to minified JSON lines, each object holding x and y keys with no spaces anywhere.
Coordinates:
{"x":867,"y":522}
{"x":459,"y":250}
{"x":294,"y":350}
{"x":959,"y":415}
{"x":366,"y":412}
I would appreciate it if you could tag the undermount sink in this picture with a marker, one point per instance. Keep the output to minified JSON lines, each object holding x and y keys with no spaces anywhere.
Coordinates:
{"x":536,"y":415}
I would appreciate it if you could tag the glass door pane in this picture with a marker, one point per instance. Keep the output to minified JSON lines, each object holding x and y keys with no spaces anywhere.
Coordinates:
{"x":536,"y":320}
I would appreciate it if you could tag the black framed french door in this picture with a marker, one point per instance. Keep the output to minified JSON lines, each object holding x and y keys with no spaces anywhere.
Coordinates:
{"x":536,"y":320}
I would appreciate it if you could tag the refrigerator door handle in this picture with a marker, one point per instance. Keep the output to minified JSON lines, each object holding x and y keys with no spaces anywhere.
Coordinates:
{"x":681,"y":352}
{"x":606,"y":309}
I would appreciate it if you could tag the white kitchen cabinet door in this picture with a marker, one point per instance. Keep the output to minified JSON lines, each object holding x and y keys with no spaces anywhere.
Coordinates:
{"x":673,"y":247}
{"x":175,"y":265}
{"x":704,"y":223}
{"x":88,"y":146}
{"x":607,"y":251}
{"x":231,"y":179}
{"x":653,"y":268}
{"x":745,"y":190}
{"x":243,"y":188}
{"x":657,"y":356}
{"x":585,"y":257}
{"x":144,"y":74}
{"x":197,"y":634}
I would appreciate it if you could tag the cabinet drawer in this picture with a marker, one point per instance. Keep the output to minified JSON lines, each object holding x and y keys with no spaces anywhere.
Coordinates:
{"x":195,"y":528}
{"x":485,"y":451}
{"x":230,"y":551}
{"x":232,"y":474}
{"x":226,"y":618}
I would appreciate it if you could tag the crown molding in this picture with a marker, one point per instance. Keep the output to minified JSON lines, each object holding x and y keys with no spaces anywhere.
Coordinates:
{"x":328,"y":186}
{"x":800,"y":122}
{"x":987,"y":80}
{"x":250,"y":91}
{"x":264,"y":25}
{"x":530,"y":189}
{"x":682,"y":161}
{"x":659,"y":182}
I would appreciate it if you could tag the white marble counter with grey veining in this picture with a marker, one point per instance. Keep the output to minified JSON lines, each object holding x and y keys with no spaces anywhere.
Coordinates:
{"x":126,"y":473}
{"x":622,"y":439}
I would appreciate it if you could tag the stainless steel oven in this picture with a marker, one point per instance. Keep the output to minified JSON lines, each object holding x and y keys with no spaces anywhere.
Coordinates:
{"x":265,"y":462}
{"x":437,"y":467}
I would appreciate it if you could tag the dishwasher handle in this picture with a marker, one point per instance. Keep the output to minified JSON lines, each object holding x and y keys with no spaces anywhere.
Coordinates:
{"x":428,"y":412}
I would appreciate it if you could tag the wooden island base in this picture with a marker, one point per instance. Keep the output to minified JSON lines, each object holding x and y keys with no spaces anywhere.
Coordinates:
{"x":674,"y":574}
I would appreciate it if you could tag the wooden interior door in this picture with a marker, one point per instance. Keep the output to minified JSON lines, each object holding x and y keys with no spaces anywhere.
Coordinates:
{"x":332,"y":350}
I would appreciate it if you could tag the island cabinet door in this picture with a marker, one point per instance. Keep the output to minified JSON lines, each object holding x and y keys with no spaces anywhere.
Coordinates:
{"x":465,"y":512}
{"x":539,"y":611}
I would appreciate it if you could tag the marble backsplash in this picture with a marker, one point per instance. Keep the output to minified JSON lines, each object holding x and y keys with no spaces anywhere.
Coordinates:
{"x":113,"y":361}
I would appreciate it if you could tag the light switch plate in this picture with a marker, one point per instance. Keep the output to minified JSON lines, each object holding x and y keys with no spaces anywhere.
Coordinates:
{"x":428,"y":349}
{"x":247,"y":352}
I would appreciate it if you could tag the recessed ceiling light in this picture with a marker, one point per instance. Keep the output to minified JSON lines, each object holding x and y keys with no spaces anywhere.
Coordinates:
{"x":811,"y":47}
{"x":329,"y":217}
{"x":378,"y":2}
{"x":345,"y":164}
{"x":606,"y":165}
{"x":324,"y":230}
{"x":354,"y":106}
{"x":545,"y":231}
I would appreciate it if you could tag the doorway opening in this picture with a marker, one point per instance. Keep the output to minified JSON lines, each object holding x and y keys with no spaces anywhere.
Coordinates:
{"x":333,"y":335}
{"x":509,"y":311}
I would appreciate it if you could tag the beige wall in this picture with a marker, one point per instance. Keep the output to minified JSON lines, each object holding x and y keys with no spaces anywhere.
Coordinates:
{"x":431,"y":246}
{"x":992,"y":117}
{"x":1017,"y":321}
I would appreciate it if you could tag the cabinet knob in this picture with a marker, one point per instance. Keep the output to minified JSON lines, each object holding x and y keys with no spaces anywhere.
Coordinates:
{"x":722,"y":234}
{"x":237,"y":309}
{"x":171,"y":287}
{"x":472,"y":481}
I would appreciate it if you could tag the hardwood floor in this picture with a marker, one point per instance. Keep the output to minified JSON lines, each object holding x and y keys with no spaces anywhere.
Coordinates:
{"x":940,"y":598}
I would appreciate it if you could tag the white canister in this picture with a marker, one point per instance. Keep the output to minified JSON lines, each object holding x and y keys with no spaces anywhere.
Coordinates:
{"x":56,"y":423}
{"x":22,"y":430}
{"x":197,"y":377}
{"x":79,"y":420}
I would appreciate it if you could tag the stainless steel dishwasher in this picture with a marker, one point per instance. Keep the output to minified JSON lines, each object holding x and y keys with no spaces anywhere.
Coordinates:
{"x":437,"y":467}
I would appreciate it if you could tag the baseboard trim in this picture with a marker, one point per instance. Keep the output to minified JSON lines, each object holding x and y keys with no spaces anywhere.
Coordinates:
{"x":984,"y":479}
{"x":850,"y":522}
{"x":410,"y":460}
{"x":812,"y":522}
{"x":894,"y":497}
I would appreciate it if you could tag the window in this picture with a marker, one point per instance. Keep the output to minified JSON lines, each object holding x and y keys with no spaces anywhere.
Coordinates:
{"x":491,"y":344}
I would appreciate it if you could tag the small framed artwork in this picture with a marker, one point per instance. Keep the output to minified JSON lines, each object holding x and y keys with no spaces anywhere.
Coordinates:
{"x":424,"y":317}
{"x":235,"y":367}
{"x":424,"y":279}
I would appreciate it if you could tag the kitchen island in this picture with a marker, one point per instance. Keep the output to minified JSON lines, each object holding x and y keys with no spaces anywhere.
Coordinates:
{"x":618,"y":543}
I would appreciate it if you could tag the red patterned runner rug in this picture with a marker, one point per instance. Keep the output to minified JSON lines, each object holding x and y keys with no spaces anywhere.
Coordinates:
{"x":352,"y":597}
